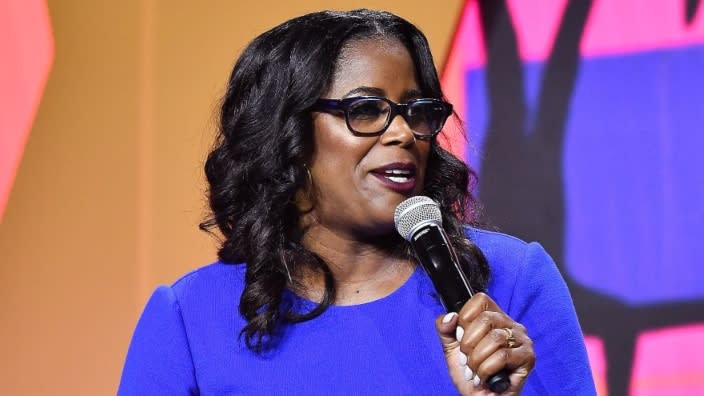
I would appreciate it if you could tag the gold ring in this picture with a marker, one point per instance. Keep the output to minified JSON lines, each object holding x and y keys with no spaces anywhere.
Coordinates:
{"x":510,"y":341}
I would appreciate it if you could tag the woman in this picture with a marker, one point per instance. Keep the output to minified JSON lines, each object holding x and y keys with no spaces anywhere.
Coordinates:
{"x":329,"y":122}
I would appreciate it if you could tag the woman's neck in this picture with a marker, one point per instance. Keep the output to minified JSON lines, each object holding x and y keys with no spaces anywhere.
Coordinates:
{"x":364,"y":271}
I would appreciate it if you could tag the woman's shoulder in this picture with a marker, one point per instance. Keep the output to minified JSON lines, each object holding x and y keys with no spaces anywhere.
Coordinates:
{"x":210,"y":281}
{"x":514,"y":262}
{"x":499,"y":247}
{"x":494,"y":238}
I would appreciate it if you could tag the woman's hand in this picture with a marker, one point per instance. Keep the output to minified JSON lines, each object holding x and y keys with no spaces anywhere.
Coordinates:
{"x":480,"y":341}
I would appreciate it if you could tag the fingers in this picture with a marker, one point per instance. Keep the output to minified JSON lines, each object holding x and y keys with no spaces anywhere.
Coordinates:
{"x":476,"y":305}
{"x":461,"y":375}
{"x":492,"y":341}
{"x":446,"y":326}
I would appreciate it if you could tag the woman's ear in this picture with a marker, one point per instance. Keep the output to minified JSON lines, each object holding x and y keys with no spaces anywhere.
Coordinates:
{"x":305,"y":196}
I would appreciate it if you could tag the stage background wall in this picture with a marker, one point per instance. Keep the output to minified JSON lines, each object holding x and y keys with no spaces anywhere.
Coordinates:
{"x":107,"y":198}
{"x":586,"y":138}
{"x":585,"y":122}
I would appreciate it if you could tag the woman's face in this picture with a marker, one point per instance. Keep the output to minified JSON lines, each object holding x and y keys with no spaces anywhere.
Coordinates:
{"x":359,"y":180}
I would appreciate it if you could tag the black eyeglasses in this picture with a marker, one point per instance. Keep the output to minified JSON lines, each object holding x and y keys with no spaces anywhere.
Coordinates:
{"x":372,"y":115}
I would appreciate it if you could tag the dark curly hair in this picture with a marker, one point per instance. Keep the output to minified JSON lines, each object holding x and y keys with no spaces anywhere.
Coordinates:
{"x":256,"y":166}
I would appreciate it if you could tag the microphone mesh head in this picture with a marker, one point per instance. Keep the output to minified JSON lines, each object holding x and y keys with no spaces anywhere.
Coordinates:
{"x":416,"y":211}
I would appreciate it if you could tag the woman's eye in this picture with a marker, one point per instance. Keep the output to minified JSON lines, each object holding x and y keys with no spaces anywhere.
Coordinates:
{"x":366,"y":111}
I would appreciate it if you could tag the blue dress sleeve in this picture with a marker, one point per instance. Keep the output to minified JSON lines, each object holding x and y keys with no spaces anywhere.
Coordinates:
{"x":542,"y":303}
{"x":159,"y":359}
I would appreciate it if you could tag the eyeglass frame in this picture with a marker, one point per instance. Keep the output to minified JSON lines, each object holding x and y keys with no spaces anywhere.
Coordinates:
{"x":331,"y":106}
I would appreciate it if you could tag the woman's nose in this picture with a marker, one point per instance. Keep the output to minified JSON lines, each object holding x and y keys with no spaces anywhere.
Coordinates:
{"x":398,"y":132}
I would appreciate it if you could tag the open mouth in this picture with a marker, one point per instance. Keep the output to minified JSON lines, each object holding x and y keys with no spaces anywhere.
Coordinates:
{"x":398,"y":175}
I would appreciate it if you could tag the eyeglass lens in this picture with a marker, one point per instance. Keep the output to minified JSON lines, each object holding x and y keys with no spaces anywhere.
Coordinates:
{"x":370,"y":115}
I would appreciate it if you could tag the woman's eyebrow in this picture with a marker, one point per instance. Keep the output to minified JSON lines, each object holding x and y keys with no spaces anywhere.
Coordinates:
{"x":413,"y":94}
{"x":372,"y":91}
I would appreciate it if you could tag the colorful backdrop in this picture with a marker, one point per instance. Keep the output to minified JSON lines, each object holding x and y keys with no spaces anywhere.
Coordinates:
{"x":584,"y":119}
{"x":586,"y":123}
{"x":109,"y":191}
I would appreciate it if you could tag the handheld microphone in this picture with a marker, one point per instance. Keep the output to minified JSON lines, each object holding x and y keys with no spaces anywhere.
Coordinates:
{"x":419,"y":221}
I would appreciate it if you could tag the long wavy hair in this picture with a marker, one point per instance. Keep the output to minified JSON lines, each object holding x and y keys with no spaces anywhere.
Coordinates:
{"x":256,"y":166}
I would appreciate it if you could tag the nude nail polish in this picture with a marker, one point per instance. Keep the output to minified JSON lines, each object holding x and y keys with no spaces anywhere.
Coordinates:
{"x":477,"y":381}
{"x":447,"y":318}
{"x":468,"y":374}
{"x":462,"y":359}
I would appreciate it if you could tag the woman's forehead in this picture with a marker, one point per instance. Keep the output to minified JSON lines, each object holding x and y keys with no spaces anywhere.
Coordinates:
{"x":382,"y":64}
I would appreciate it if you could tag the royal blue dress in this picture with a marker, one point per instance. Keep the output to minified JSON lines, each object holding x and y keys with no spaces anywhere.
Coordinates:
{"x":187,"y":340}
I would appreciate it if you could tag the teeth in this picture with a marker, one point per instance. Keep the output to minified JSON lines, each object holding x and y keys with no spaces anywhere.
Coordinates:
{"x":398,"y":172}
{"x":398,"y":175}
{"x":397,"y":179}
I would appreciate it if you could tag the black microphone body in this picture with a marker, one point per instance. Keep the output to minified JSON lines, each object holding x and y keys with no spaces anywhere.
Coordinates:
{"x":435,"y":253}
{"x":433,"y":250}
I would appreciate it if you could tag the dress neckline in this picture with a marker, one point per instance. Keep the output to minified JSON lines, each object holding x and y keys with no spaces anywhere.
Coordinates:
{"x":304,"y":304}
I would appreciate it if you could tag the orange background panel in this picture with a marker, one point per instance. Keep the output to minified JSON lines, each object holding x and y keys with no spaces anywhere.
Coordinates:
{"x":109,"y":193}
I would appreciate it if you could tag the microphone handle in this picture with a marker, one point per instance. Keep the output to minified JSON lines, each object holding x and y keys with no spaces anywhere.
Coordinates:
{"x":438,"y":258}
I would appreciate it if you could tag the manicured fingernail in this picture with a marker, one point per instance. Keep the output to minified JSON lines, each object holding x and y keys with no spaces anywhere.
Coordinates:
{"x":462,"y":359}
{"x":468,"y":373}
{"x":448,"y":317}
{"x":459,"y":333}
{"x":477,"y":381}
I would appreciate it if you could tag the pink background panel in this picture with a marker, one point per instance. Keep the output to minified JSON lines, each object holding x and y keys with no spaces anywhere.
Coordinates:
{"x":595,"y":350}
{"x":669,"y":361}
{"x":26,"y":53}
{"x":613,"y":27}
